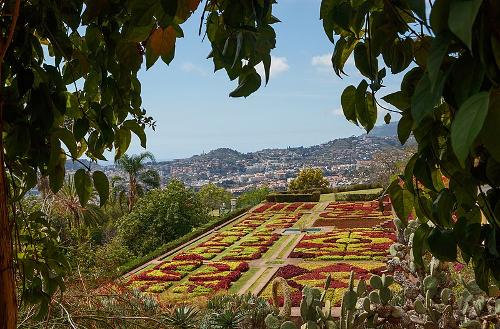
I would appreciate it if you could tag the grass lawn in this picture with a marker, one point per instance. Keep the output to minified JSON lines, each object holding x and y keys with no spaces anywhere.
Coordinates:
{"x":327,"y":197}
{"x":369,"y":191}
{"x":235,"y":287}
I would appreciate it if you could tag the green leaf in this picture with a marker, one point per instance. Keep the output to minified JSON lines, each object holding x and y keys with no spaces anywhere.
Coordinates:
{"x":461,"y":19}
{"x":169,"y":6}
{"x":442,"y":244}
{"x":366,"y":63}
{"x":468,"y":123}
{"x":402,"y":200}
{"x":418,"y":7}
{"x":439,"y":48}
{"x":442,"y":208}
{"x":326,"y":17}
{"x":399,"y":100}
{"x":348,"y":100}
{"x":138,"y":130}
{"x":80,"y":128}
{"x":266,"y":62}
{"x":343,"y":49}
{"x":139,"y":33}
{"x":248,"y":83}
{"x":422,"y":173}
{"x":387,"y":118}
{"x":68,"y":139}
{"x":425,"y":98}
{"x":83,"y":185}
{"x":122,"y":141}
{"x":366,"y":110}
{"x":101,"y":184}
{"x":56,"y":177}
{"x":489,"y":133}
{"x":420,"y":244}
{"x":404,"y":128}
{"x":439,"y":16}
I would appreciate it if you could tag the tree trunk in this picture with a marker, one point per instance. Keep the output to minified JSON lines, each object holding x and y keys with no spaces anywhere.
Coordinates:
{"x":8,"y":304}
{"x":8,"y":300}
{"x":132,"y":192}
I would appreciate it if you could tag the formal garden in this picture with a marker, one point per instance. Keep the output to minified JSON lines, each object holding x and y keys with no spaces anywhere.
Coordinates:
{"x":275,"y":239}
{"x":70,"y":90}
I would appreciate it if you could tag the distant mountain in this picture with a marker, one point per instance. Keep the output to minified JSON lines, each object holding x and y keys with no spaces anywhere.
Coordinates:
{"x":385,"y":130}
{"x":75,"y":165}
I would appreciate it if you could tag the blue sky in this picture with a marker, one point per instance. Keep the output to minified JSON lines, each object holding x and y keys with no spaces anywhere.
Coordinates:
{"x":299,"y":106}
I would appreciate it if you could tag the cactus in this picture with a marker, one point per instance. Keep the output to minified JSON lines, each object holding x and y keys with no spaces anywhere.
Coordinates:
{"x":280,"y":321}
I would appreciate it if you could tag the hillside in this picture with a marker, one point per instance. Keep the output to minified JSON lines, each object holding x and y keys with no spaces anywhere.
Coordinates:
{"x":341,"y":160}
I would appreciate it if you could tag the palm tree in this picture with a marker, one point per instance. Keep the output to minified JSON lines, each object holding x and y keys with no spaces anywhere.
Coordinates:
{"x":66,"y":201}
{"x":139,"y":179}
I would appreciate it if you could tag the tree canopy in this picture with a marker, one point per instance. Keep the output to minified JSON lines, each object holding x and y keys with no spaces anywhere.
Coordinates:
{"x":449,"y":101}
{"x":162,"y":215}
{"x":69,"y":88}
{"x":308,"y":179}
{"x":213,"y":196}
{"x":253,"y":197}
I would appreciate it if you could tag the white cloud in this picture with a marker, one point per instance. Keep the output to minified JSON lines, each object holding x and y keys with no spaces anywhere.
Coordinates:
{"x":192,"y":68}
{"x":278,"y":66}
{"x":338,"y":112}
{"x":322,"y":60}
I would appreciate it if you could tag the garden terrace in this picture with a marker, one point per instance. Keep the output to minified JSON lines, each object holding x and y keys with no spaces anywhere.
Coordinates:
{"x":353,"y":214}
{"x":247,"y":254}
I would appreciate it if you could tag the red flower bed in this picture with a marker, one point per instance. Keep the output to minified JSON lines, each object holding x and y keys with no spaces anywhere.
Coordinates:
{"x":188,"y":257}
{"x":289,"y":271}
{"x":294,"y":206}
{"x":278,"y":207}
{"x":308,"y":206}
{"x":264,"y":207}
{"x":297,"y":276}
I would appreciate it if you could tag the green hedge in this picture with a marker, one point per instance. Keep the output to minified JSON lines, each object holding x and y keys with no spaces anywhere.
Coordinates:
{"x":325,"y":190}
{"x":356,"y":187}
{"x":356,"y":197}
{"x":136,"y":262}
{"x":296,"y":197}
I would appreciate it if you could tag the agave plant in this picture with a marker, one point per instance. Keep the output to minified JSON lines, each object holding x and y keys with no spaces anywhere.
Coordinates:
{"x":183,"y":317}
{"x":234,"y":311}
{"x":228,"y":319}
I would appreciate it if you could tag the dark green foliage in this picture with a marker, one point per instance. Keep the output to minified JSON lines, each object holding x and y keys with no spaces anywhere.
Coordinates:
{"x":288,"y":197}
{"x":161,"y":216}
{"x":309,"y":178}
{"x":355,"y":187}
{"x":356,"y":196}
{"x":213,"y":196}
{"x":449,"y":101}
{"x":69,"y":85}
{"x":252,"y":197}
{"x":236,"y":312}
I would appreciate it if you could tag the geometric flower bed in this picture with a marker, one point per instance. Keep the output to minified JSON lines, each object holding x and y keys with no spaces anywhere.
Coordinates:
{"x":314,"y":275}
{"x":161,"y":276}
{"x":209,"y":279}
{"x":353,"y":214}
{"x":245,"y":253}
{"x":355,"y":244}
{"x":264,"y":207}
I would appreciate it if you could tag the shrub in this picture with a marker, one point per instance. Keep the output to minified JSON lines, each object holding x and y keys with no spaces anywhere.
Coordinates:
{"x":356,"y":197}
{"x":161,"y":216}
{"x":287,"y":197}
